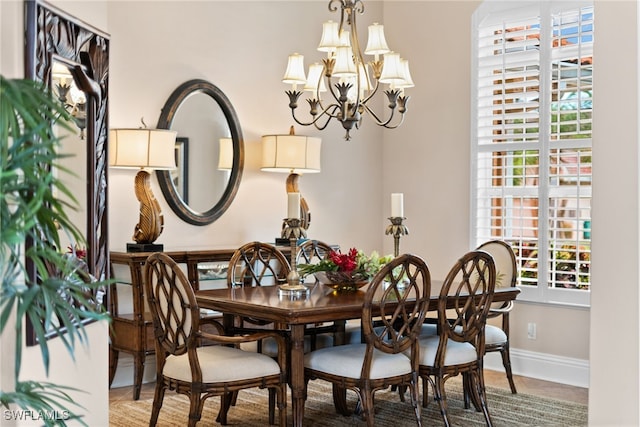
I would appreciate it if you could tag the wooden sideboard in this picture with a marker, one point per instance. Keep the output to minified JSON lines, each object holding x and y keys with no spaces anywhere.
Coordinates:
{"x":132,"y":328}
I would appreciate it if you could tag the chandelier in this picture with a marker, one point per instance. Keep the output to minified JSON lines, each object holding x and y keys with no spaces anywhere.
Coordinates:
{"x":351,"y":82}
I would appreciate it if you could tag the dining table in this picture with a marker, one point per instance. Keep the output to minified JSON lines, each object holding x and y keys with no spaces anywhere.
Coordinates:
{"x":291,"y":312}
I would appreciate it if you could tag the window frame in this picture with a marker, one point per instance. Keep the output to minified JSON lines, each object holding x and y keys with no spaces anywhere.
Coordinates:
{"x":490,"y":13}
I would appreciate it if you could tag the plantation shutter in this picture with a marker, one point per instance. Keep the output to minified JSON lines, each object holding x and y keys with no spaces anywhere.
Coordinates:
{"x":531,"y":147}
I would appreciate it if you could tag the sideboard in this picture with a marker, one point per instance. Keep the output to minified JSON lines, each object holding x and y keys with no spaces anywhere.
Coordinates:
{"x":132,"y":328}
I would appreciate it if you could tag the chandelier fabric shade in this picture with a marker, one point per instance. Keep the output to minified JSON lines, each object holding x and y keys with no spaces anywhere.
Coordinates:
{"x":351,"y":82}
{"x":291,"y":154}
{"x":142,"y":148}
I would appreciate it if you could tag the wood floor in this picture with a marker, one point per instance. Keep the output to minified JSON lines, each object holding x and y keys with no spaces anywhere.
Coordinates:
{"x":524,"y":385}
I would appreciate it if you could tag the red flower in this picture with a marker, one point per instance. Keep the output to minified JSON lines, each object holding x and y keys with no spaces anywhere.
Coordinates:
{"x":79,"y":252}
{"x":345,"y":262}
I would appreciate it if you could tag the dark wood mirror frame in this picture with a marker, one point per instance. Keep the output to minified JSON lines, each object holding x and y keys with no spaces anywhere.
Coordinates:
{"x":172,"y":197}
{"x":51,"y":33}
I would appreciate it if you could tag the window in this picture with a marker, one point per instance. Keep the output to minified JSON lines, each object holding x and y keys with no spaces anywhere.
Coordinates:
{"x":531,"y":142}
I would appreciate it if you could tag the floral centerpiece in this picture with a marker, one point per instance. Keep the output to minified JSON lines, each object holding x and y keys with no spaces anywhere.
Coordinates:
{"x":348,"y":271}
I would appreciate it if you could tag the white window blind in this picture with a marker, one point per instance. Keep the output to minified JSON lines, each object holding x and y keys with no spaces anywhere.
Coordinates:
{"x":531,"y":143}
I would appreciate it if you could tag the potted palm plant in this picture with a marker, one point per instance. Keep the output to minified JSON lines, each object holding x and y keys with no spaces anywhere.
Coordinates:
{"x":60,"y":300}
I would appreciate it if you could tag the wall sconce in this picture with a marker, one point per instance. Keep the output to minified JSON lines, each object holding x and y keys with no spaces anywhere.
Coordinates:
{"x":73,"y":99}
{"x":295,"y":155}
{"x":144,"y":149}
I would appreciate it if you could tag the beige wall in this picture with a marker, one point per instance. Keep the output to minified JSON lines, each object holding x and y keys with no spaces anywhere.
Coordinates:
{"x":242,"y":48}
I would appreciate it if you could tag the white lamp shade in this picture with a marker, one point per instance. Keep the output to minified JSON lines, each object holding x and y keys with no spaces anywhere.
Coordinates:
{"x":290,"y":154}
{"x":344,"y":62}
{"x":225,"y":159}
{"x":142,"y":148}
{"x":345,"y":38}
{"x":376,"y":44}
{"x":407,"y":81}
{"x":330,"y":39}
{"x":314,"y":78}
{"x":295,"y":70}
{"x":391,"y":69}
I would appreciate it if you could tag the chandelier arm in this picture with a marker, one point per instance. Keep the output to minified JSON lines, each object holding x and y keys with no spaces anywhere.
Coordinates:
{"x":372,"y":93}
{"x":377,"y":119}
{"x":322,"y":127}
{"x":386,"y":123}
{"x":325,"y":111}
{"x":329,"y":110}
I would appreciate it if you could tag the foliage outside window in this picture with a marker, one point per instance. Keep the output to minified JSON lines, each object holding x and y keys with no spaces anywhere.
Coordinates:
{"x":532,"y":141}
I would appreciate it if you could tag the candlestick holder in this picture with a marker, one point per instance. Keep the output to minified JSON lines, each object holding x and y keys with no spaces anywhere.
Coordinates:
{"x":293,"y":231}
{"x":396,"y":229}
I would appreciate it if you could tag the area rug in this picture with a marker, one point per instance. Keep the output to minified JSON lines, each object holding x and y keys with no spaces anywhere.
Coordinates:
{"x":251,"y":410}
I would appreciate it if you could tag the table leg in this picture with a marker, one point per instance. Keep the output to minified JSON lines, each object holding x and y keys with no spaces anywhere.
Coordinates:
{"x":296,"y":378}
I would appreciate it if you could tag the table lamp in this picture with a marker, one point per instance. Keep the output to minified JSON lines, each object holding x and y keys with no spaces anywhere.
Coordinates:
{"x":145,"y":150}
{"x":295,"y":155}
{"x":225,"y":154}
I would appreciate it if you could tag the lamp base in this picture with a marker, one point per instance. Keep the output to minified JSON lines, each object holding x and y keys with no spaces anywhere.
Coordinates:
{"x":286,"y":242}
{"x":145,"y":247}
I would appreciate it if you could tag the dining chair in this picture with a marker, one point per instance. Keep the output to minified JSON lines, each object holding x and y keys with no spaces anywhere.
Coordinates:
{"x":257,"y":264}
{"x":320,"y":334}
{"x":313,"y":251}
{"x":497,"y":337}
{"x":394,"y":307}
{"x":458,"y":348}
{"x":198,"y":371}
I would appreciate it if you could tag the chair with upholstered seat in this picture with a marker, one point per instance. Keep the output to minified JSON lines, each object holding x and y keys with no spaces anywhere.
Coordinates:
{"x":394,"y":307}
{"x":458,"y":348}
{"x":320,"y":335}
{"x":257,"y":264}
{"x":497,"y":337}
{"x":312,"y":251}
{"x":200,"y":372}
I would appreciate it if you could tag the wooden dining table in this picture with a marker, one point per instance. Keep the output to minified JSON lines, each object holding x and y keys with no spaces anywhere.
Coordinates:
{"x":292,"y":312}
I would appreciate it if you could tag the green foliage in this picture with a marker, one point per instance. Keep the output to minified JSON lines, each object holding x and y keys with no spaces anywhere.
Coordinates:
{"x":60,"y":299}
{"x":43,"y":398}
{"x":356,"y":262}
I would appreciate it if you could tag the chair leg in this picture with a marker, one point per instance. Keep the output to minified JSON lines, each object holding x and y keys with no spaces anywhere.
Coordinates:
{"x":425,"y":392}
{"x":281,"y":396}
{"x":225,"y":403}
{"x":441,"y":398}
{"x":340,"y":400}
{"x":506,"y":362}
{"x":479,"y":389}
{"x":366,"y":400}
{"x":195,"y":408}
{"x":272,"y":406}
{"x":158,"y":397}
{"x":413,"y":392}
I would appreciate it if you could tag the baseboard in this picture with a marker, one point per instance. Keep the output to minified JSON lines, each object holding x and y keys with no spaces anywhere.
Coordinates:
{"x":543,"y":366}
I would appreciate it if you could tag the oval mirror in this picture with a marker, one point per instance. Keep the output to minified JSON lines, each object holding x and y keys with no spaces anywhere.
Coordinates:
{"x":209,"y":152}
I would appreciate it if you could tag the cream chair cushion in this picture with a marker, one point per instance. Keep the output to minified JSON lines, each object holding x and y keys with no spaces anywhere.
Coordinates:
{"x":346,"y":361}
{"x":494,"y":335}
{"x":215,"y":361}
{"x":457,"y":352}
